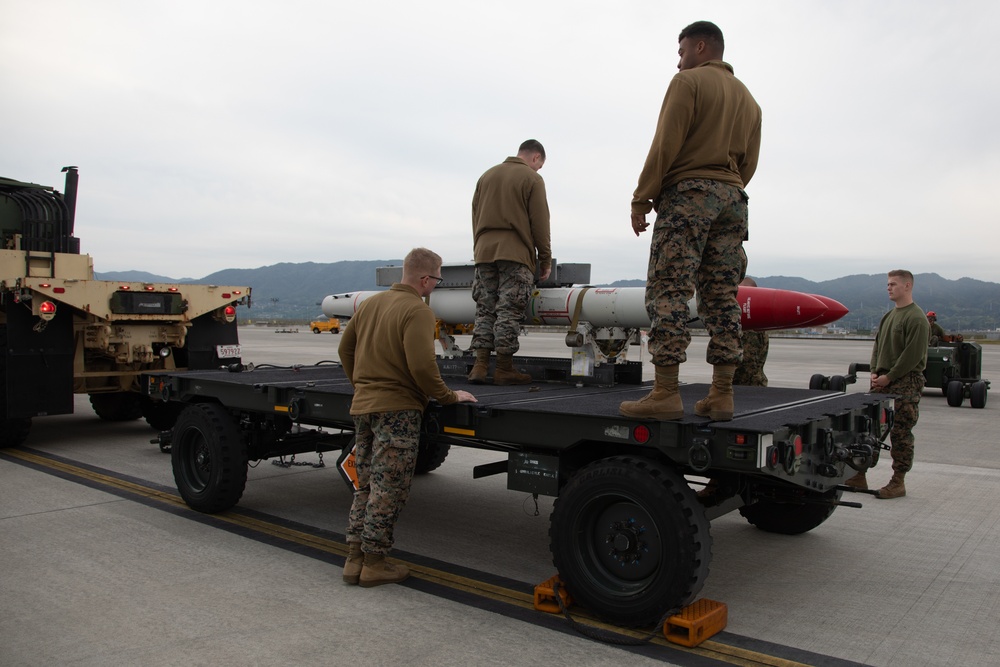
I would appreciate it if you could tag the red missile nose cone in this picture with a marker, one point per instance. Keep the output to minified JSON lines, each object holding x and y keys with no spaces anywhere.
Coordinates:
{"x":834,"y":310}
{"x":762,"y":308}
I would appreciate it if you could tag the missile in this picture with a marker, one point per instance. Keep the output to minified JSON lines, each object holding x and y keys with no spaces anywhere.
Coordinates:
{"x":761,"y":308}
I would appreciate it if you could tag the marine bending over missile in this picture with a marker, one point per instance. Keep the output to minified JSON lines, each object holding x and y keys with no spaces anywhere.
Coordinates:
{"x":703,"y":154}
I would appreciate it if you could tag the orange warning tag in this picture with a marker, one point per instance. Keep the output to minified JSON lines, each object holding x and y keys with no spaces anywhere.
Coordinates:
{"x":348,"y":469}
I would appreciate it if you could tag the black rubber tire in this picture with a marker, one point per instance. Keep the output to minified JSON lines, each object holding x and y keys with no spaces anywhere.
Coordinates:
{"x":13,"y":432}
{"x":659,"y":537}
{"x":209,"y":458}
{"x":161,"y":416}
{"x":791,"y":518}
{"x":977,"y":394}
{"x":316,"y":330}
{"x":430,"y":456}
{"x":838,"y":383}
{"x":956,"y":393}
{"x":335,"y":331}
{"x":817,"y":381}
{"x":119,"y":406}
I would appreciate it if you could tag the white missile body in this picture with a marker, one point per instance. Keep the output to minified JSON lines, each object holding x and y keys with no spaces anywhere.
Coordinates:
{"x":761,"y":308}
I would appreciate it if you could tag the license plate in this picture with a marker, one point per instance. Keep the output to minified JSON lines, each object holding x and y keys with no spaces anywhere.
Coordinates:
{"x":228,"y":351}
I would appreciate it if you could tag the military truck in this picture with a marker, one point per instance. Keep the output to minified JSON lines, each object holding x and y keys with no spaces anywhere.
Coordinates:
{"x":62,"y":332}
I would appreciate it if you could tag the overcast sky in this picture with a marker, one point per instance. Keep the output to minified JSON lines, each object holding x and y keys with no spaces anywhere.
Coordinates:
{"x":223,"y":134}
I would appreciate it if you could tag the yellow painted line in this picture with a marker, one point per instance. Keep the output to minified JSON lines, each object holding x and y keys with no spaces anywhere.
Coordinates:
{"x":711,"y":649}
{"x":458,"y":431}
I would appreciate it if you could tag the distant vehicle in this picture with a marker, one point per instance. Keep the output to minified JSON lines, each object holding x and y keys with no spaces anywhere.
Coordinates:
{"x":319,"y":326}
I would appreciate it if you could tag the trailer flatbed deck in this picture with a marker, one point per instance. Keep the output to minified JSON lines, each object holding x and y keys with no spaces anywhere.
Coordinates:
{"x":629,"y":535}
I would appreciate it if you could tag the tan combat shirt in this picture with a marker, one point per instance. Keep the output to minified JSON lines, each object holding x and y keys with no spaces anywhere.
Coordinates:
{"x":709,"y":127}
{"x":510,"y":216}
{"x":387,"y":351}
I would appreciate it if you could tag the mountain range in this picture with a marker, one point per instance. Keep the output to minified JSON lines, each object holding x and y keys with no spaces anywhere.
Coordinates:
{"x":292,"y":292}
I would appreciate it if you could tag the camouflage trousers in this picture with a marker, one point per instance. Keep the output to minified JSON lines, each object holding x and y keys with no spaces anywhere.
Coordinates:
{"x":699,"y":231}
{"x":385,"y":456}
{"x":501,"y":290}
{"x":750,"y":372}
{"x":907,"y":390}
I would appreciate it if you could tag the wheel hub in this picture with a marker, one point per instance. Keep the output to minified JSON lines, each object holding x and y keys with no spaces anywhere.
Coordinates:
{"x":627,"y":545}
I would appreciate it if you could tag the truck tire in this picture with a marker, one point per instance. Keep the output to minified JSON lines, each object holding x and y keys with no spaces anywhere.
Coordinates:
{"x":13,"y":432}
{"x":208,"y":458}
{"x":118,"y":406}
{"x":315,"y":330}
{"x":977,"y":394}
{"x":335,"y":331}
{"x":956,"y":393}
{"x":790,"y":517}
{"x":430,"y":456}
{"x":817,"y":381}
{"x":630,"y":540}
{"x":161,"y":416}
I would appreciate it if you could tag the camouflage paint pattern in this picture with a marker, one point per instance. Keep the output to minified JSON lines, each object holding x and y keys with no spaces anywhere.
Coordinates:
{"x":386,"y":454}
{"x":908,"y":390}
{"x":501,"y":290}
{"x":699,"y":231}
{"x":750,"y":372}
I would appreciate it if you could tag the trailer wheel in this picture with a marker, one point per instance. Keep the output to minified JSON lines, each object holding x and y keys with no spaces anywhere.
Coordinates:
{"x":430,"y":456}
{"x":956,"y":393}
{"x":791,"y":517}
{"x":977,"y":394}
{"x":208,"y":458}
{"x":118,"y":406}
{"x":630,"y":539}
{"x":838,"y":383}
{"x":13,"y":432}
{"x":817,"y":381}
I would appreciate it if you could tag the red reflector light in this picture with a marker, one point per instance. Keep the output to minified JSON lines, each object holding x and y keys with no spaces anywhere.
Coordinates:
{"x":47,"y":307}
{"x":797,"y":444}
{"x":741,"y":439}
{"x":226,"y":295}
{"x":230,"y":310}
{"x":150,"y":288}
{"x":124,"y":287}
{"x":171,"y":289}
{"x":59,"y":290}
{"x":641,"y":434}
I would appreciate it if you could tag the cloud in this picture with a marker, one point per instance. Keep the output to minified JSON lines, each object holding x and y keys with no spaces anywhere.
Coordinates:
{"x":239,"y":134}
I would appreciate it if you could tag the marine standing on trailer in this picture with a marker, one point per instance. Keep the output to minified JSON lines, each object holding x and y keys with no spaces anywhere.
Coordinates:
{"x":755,"y":344}
{"x":897,"y":366}
{"x":387,"y":351}
{"x":510,"y":224}
{"x":703,"y":154}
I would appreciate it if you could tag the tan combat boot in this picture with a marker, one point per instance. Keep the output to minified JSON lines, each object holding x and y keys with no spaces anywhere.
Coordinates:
{"x":377,"y":571}
{"x":894,"y":489}
{"x":718,"y":405}
{"x":859,"y":481}
{"x":664,"y":402}
{"x":506,"y":374}
{"x":353,"y":564}
{"x":482,"y":366}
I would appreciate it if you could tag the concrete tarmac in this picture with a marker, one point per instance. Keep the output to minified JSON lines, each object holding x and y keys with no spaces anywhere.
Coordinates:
{"x":101,"y":565}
